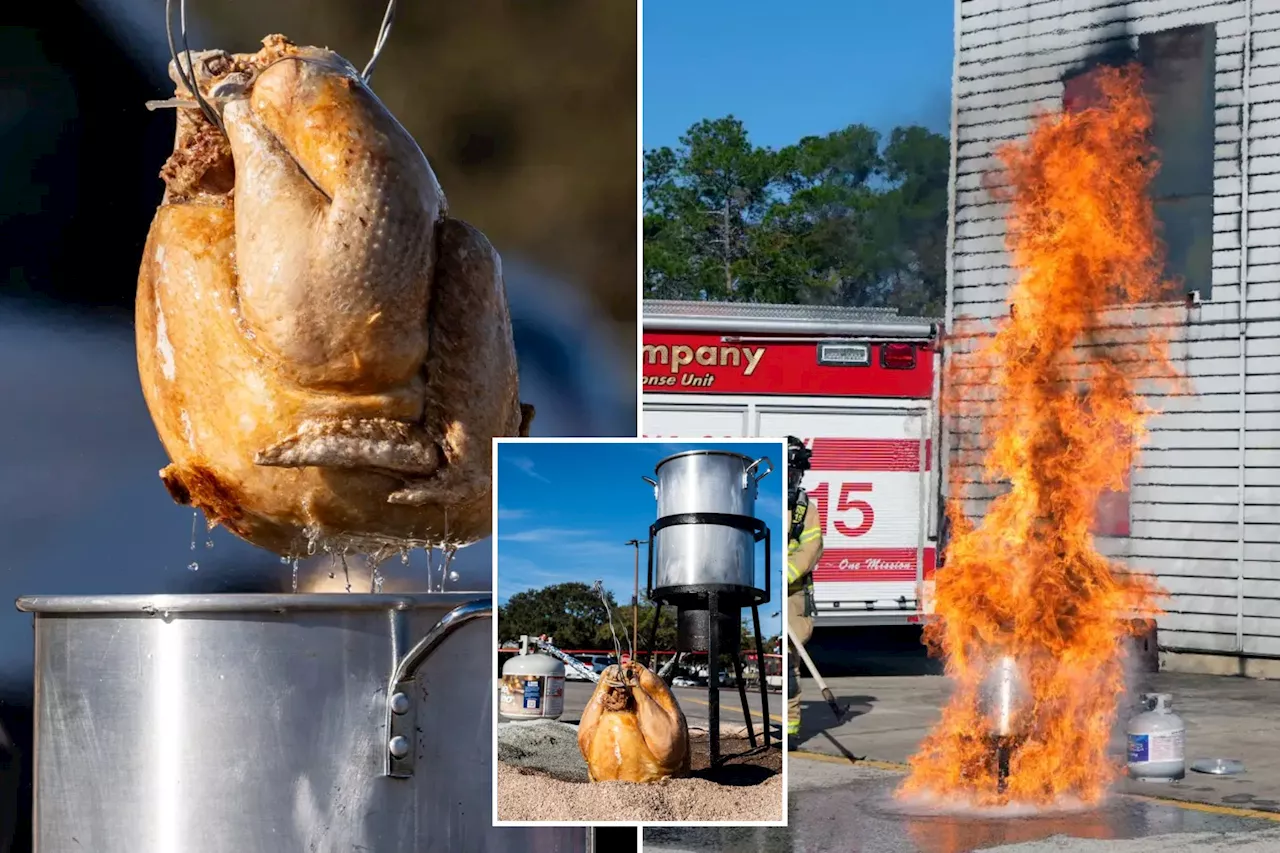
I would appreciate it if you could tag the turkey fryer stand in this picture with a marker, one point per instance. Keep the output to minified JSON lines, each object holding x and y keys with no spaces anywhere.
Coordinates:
{"x":761,"y":531}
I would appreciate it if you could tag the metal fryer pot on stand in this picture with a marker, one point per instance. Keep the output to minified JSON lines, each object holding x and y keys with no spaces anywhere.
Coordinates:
{"x":269,"y":723}
{"x":702,"y":560}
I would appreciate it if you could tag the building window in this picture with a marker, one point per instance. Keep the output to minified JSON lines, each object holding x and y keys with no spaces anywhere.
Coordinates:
{"x":1178,"y":73}
{"x":1112,"y":513}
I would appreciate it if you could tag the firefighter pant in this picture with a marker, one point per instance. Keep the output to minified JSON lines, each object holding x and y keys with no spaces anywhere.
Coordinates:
{"x":802,"y":626}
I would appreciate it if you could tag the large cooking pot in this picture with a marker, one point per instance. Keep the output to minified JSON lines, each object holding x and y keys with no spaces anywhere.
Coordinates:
{"x":269,"y":723}
{"x":700,"y":555}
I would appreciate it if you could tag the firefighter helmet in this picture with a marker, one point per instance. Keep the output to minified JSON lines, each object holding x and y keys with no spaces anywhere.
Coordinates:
{"x":797,"y":463}
{"x":797,"y":454}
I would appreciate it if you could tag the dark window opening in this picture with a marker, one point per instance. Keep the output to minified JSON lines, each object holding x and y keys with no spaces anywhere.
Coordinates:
{"x":1178,"y":72}
{"x":1112,"y":513}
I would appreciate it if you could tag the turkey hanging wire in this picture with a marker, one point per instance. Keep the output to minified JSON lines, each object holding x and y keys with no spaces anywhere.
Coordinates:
{"x":187,"y":73}
{"x":598,"y":588}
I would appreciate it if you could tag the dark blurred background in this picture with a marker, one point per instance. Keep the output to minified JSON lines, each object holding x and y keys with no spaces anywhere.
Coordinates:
{"x":527,"y":111}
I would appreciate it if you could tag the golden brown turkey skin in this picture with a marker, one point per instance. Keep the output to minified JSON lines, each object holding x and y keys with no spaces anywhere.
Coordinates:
{"x":324,"y":352}
{"x":633,"y":733}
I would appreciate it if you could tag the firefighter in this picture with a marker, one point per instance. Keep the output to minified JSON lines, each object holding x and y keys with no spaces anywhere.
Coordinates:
{"x":804,"y":547}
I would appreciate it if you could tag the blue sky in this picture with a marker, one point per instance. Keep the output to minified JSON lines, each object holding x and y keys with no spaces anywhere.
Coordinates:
{"x":789,"y":70}
{"x":565,"y":512}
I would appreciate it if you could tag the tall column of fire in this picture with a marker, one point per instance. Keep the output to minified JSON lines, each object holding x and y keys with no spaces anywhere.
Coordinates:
{"x":1031,"y":617}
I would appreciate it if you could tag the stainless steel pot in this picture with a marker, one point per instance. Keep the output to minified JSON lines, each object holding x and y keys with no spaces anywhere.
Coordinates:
{"x":702,"y":554}
{"x":269,"y":723}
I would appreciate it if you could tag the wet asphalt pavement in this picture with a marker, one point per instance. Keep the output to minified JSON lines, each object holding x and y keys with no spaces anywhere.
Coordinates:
{"x":835,"y":806}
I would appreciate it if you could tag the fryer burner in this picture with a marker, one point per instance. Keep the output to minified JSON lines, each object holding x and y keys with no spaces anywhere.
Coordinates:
{"x":694,"y":627}
{"x":1003,"y":748}
{"x":994,"y":757}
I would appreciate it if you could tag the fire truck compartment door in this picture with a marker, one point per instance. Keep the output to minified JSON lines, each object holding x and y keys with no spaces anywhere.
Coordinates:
{"x":869,"y":478}
{"x":694,"y":421}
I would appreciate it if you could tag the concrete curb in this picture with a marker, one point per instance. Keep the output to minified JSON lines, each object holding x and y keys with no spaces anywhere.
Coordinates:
{"x":876,"y":763}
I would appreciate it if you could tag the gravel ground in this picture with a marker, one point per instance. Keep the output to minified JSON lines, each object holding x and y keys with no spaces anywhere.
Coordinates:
{"x":548,"y":746}
{"x":740,"y":765}
{"x":542,"y":776}
{"x":525,"y":795}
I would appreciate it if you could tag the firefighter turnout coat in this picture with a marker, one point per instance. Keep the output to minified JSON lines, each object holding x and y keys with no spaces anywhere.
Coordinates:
{"x":803,"y":550}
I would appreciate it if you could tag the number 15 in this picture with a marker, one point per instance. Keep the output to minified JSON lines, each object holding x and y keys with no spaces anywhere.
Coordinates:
{"x":845,"y":504}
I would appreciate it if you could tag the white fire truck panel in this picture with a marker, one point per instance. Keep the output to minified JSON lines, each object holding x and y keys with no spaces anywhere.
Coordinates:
{"x":869,"y":478}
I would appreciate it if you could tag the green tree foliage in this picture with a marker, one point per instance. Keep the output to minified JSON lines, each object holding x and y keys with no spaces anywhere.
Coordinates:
{"x":570,"y":613}
{"x":573,"y":615}
{"x":666,"y":639}
{"x":842,"y":219}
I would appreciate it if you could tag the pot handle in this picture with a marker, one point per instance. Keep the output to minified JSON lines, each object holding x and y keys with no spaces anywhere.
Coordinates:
{"x":751,"y":467}
{"x":399,"y":750}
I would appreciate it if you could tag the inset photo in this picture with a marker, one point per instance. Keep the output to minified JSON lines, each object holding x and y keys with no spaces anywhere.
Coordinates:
{"x":639,"y":629}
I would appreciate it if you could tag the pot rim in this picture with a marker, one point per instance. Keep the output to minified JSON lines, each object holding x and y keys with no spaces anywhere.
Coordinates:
{"x":707,"y":452}
{"x":155,"y":605}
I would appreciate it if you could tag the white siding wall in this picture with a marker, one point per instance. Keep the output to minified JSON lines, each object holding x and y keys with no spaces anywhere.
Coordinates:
{"x":1186,"y":497}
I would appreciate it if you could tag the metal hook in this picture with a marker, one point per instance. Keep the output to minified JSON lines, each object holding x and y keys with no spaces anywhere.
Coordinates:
{"x":189,"y":82}
{"x":383,"y":32}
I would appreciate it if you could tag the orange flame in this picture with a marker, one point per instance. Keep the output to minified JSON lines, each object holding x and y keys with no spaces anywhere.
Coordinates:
{"x":1058,"y":392}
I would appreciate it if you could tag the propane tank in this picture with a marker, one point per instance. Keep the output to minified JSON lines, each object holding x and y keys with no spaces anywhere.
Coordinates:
{"x":1157,"y":741}
{"x":532,"y":687}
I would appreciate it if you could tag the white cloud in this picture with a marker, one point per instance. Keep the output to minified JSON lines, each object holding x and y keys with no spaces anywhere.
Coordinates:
{"x":539,"y":534}
{"x":571,"y":539}
{"x":666,"y":448}
{"x":525,"y":464}
{"x":517,"y":574}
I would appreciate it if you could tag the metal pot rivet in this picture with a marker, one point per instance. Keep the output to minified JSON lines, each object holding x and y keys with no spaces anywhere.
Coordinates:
{"x":399,"y":703}
{"x":399,"y":746}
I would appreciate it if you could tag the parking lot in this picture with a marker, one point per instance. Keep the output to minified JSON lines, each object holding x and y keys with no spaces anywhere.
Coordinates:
{"x":835,"y":804}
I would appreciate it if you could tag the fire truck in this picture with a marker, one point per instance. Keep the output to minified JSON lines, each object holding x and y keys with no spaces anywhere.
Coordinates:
{"x":860,"y":387}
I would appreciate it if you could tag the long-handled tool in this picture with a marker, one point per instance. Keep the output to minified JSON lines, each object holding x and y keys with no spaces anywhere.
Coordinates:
{"x":569,"y":662}
{"x":813,"y":670}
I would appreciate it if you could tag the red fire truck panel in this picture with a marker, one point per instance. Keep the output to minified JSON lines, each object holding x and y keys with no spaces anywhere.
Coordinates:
{"x":684,"y":362}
